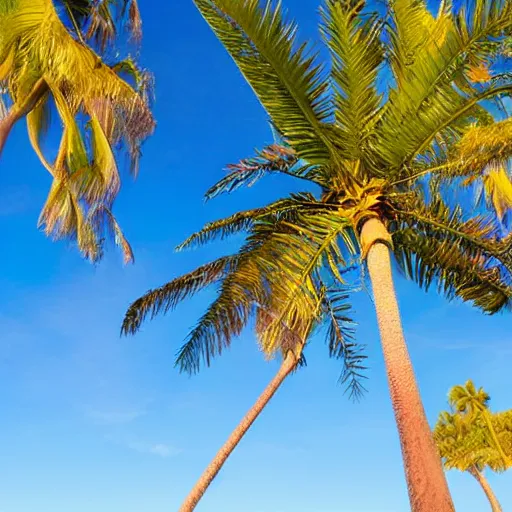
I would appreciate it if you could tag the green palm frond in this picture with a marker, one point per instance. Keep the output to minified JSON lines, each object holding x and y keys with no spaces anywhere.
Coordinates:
{"x":168,"y":296}
{"x":243,"y":221}
{"x":427,"y":102}
{"x":357,"y":53}
{"x":341,"y":341}
{"x":457,"y":275}
{"x":281,"y":71}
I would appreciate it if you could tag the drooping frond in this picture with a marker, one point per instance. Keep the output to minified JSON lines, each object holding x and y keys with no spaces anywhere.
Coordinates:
{"x":276,"y":270}
{"x":99,"y":20}
{"x":341,"y":341}
{"x":463,"y":258}
{"x":280,"y":70}
{"x":101,"y":115}
{"x":167,"y":297}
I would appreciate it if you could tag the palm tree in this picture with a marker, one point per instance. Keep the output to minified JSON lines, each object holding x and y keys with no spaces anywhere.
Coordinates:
{"x":329,"y":310}
{"x":474,"y":403}
{"x":42,"y":63}
{"x":463,"y":443}
{"x":384,"y":131}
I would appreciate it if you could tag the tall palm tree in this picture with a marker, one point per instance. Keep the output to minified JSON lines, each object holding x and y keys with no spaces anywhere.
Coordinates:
{"x":45,"y":63}
{"x":385,"y":131}
{"x":474,"y":402}
{"x":329,"y":309}
{"x":463,"y":443}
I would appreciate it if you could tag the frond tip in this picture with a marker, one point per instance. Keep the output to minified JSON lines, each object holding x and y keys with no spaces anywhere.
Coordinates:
{"x":167,"y":297}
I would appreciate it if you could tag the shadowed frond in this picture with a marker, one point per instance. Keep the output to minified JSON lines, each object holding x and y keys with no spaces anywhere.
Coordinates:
{"x":243,"y":221}
{"x":275,"y":158}
{"x":342,"y":343}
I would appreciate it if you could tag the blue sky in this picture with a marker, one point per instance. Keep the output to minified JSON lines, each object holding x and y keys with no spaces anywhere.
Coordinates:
{"x":93,"y":422}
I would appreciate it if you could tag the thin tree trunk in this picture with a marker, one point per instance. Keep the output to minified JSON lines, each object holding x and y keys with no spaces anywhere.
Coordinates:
{"x":480,"y":478}
{"x":19,"y":111}
{"x":216,"y":464}
{"x":6,"y":125}
{"x":426,"y":481}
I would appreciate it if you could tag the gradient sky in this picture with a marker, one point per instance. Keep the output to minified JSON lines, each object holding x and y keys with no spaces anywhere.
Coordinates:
{"x":91,"y":422}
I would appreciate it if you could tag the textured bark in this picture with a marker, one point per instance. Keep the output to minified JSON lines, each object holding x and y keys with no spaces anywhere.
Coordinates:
{"x":426,"y":481}
{"x":216,"y":464}
{"x":480,"y":478}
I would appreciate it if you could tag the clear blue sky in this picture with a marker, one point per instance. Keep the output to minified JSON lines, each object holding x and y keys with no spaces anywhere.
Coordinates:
{"x":92,"y":422}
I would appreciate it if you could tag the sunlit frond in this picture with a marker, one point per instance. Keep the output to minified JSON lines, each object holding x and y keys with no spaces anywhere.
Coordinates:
{"x":356,"y":52}
{"x":101,"y":114}
{"x":281,"y":71}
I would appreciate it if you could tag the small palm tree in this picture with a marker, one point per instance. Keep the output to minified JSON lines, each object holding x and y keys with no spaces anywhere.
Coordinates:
{"x":464,"y":443}
{"x":473,"y":402}
{"x":43,"y":63}
{"x":329,"y":311}
{"x":384,"y":133}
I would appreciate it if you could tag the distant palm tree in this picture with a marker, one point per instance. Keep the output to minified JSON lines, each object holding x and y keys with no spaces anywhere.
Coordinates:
{"x":464,"y":443}
{"x":383,"y":133}
{"x":44,"y":63}
{"x":474,"y":403}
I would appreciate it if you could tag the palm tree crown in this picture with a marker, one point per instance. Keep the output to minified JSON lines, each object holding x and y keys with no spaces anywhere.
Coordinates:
{"x":395,"y":152}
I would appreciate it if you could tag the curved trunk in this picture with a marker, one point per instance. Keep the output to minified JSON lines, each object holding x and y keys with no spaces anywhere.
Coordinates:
{"x":480,"y":478}
{"x":17,"y":112}
{"x":216,"y":464}
{"x":6,"y":125}
{"x":426,"y":481}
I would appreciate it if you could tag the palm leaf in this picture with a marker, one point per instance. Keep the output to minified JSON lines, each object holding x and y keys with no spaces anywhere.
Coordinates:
{"x":281,"y":71}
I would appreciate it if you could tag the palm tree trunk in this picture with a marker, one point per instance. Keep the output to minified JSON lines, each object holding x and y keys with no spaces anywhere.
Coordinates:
{"x":6,"y":125}
{"x":426,"y":481}
{"x":18,"y":111}
{"x":480,"y":478}
{"x":216,"y":464}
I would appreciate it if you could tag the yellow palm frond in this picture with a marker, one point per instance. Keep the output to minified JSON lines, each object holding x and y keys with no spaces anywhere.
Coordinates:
{"x":39,"y":59}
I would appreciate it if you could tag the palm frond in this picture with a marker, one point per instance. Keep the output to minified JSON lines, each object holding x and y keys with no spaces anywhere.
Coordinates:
{"x":356,"y":54}
{"x":341,"y":341}
{"x":243,"y":221}
{"x":427,"y":103}
{"x":276,"y":158}
{"x":168,"y":296}
{"x":281,"y":71}
{"x":100,"y":113}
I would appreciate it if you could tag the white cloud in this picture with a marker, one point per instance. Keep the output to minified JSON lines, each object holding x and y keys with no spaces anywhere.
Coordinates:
{"x":162,"y":450}
{"x":159,"y":449}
